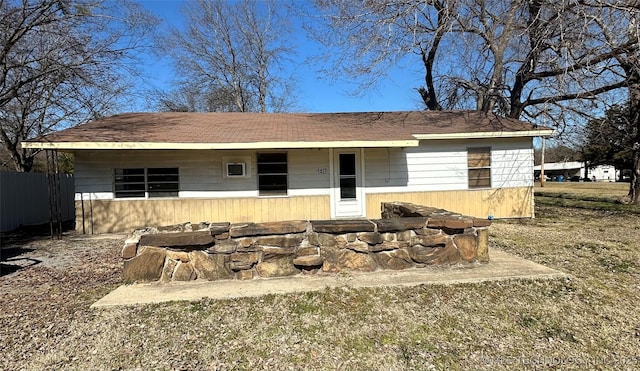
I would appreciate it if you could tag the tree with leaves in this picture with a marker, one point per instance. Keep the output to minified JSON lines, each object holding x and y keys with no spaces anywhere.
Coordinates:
{"x":62,"y":62}
{"x":229,"y":58}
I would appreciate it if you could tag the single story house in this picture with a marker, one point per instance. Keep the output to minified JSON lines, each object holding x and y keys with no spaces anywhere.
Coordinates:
{"x":141,"y":169}
{"x":571,"y":169}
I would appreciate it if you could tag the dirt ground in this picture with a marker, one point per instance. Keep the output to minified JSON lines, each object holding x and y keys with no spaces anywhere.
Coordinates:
{"x":46,"y":286}
{"x":589,"y":320}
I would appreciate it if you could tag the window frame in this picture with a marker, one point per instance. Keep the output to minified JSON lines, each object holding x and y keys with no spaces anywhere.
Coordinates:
{"x":151,"y":188}
{"x":478,"y":166}
{"x":260,"y":176}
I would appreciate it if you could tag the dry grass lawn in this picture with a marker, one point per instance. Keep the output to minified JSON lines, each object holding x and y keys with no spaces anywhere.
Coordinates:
{"x":606,"y":190}
{"x":588,"y":321}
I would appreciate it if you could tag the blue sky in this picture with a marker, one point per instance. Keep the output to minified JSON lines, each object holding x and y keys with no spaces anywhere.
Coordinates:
{"x":315,"y":93}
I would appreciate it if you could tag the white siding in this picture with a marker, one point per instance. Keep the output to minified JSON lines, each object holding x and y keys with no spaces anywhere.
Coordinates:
{"x":512,"y":163}
{"x":308,"y":172}
{"x":437,"y":165}
{"x":426,"y":168}
{"x":200,"y":172}
{"x":442,"y":166}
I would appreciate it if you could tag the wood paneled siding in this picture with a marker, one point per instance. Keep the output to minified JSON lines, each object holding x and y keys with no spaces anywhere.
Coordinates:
{"x":102,"y":216}
{"x":501,"y":203}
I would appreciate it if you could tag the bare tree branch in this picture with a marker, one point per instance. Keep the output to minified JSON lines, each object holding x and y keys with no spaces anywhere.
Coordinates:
{"x":62,"y":63}
{"x":233,"y":49}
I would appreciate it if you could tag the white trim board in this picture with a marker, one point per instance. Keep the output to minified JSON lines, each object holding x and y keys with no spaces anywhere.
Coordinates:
{"x":219,"y":146}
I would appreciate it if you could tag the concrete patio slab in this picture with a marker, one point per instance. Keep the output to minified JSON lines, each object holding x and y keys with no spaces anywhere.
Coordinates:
{"x":503,"y":266}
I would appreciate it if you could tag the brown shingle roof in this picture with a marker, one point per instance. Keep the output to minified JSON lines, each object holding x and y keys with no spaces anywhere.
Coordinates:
{"x":178,"y":127}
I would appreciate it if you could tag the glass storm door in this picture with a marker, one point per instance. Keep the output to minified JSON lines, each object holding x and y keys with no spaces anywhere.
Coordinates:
{"x":347,"y":190}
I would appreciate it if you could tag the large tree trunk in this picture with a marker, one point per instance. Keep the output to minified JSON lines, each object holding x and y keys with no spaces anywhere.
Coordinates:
{"x":634,"y":186}
{"x":22,"y":162}
{"x":634,"y":116}
{"x":586,"y":171}
{"x":428,"y":94}
{"x":22,"y":159}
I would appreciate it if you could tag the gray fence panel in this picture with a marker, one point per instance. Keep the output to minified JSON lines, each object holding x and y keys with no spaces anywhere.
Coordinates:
{"x":24,"y":199}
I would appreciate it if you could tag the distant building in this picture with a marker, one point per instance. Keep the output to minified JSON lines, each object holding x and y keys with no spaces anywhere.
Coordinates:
{"x":572,"y":169}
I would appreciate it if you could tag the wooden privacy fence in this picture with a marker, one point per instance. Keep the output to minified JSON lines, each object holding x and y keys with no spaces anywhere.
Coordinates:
{"x":24,"y":199}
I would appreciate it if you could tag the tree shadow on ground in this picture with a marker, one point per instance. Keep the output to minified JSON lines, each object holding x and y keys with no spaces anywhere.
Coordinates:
{"x":12,"y":246}
{"x":6,"y":269}
{"x":30,"y":233}
{"x":12,"y":259}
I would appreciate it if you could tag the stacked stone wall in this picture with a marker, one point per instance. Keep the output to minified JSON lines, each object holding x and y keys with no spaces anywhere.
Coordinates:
{"x":408,"y":236}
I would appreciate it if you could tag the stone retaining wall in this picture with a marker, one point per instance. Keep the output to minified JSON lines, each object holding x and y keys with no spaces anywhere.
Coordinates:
{"x":407,"y":236}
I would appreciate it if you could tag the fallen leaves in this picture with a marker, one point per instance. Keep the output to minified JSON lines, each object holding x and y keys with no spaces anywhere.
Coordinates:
{"x":46,"y":323}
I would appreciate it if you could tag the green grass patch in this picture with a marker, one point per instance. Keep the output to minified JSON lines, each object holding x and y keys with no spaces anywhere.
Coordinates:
{"x":556,"y":331}
{"x":528,"y":321}
{"x":615,"y":264}
{"x":594,"y":247}
{"x":308,"y":304}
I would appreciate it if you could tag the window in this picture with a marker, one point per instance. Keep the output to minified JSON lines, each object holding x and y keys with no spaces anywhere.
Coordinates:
{"x":154,"y":182}
{"x":272,"y":174}
{"x":129,"y":183}
{"x":479,"y":164}
{"x":347,"y":176}
{"x":163,"y":182}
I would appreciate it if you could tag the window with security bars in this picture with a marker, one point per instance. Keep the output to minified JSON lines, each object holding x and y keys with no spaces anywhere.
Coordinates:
{"x":151,"y":183}
{"x":479,"y":165}
{"x":163,"y":182}
{"x":272,"y":174}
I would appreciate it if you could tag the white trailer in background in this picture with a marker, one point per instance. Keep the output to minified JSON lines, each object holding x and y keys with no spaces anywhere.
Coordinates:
{"x":571,"y":169}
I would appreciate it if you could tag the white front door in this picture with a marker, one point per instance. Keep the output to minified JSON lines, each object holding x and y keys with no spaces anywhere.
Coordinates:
{"x":347,"y":191}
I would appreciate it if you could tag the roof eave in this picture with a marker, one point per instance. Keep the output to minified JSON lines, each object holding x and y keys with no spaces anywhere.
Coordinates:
{"x":487,"y":134}
{"x":216,"y":146}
